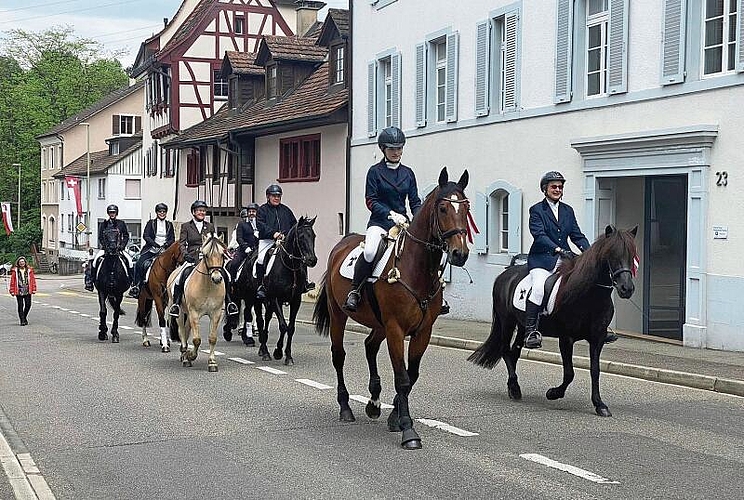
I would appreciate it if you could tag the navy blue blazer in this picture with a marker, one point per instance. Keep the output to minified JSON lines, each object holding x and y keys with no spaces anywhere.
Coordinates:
{"x":246,"y":236}
{"x":386,"y":190}
{"x":550,"y":233}
{"x":272,"y":219}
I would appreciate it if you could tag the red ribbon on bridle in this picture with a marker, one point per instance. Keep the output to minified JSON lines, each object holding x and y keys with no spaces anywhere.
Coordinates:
{"x":471,"y":227}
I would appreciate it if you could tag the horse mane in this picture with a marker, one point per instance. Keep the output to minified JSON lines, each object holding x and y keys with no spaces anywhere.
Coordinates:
{"x":581,"y":273}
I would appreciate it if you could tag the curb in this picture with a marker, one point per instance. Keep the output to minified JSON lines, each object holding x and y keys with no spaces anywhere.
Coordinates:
{"x":694,"y":380}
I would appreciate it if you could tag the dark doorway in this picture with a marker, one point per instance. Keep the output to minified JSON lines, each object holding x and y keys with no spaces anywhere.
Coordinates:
{"x":665,"y":255}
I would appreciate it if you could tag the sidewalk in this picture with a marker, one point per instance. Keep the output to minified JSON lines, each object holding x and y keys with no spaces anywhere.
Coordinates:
{"x":720,"y":371}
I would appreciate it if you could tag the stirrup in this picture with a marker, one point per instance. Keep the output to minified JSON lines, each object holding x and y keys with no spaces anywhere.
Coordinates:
{"x":134,"y":292}
{"x":445,"y":309}
{"x":533,"y":340}
{"x":175,"y":310}
{"x":232,"y":309}
{"x":261,"y":292}
{"x":352,"y":301}
{"x":89,"y":287}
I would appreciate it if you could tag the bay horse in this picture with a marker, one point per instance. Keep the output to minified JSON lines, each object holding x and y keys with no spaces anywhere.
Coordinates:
{"x":406,"y":303}
{"x":285,"y":284}
{"x":583,"y":311}
{"x":203,"y":295}
{"x":155,"y":292}
{"x":112,"y":280}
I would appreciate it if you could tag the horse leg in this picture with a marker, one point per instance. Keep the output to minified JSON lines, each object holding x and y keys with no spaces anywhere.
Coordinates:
{"x":164,"y":334}
{"x":102,"y":327}
{"x":144,"y":304}
{"x":511,"y":356}
{"x":213,"y":327}
{"x":566,"y":347}
{"x":263,"y":333}
{"x":371,"y":348}
{"x":195,"y":337}
{"x":294,"y":307}
{"x":595,"y":348}
{"x":183,"y":334}
{"x":338,"y":356}
{"x":282,"y":329}
{"x":116,"y":303}
{"x":410,"y":439}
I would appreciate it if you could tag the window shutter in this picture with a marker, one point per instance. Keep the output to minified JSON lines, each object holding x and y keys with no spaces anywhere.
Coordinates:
{"x":453,"y":55}
{"x":480,"y":240}
{"x":137,"y":124}
{"x":673,"y":42}
{"x":617,"y":51}
{"x":115,"y":125}
{"x":371,"y":108}
{"x":515,"y":222}
{"x":420,"y":85}
{"x":482,"y":67}
{"x":395,"y":73}
{"x":740,"y":37}
{"x":563,"y":51}
{"x":511,"y":25}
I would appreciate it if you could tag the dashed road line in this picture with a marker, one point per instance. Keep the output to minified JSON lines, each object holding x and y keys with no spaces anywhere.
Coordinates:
{"x":271,"y":370}
{"x":242,"y":361}
{"x":216,"y":353}
{"x":313,"y":383}
{"x":584,"y":474}
{"x":364,"y":399}
{"x":446,"y":427}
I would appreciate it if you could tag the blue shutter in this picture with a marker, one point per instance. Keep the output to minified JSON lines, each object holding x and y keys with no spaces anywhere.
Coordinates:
{"x":515,"y":222}
{"x":482,"y":67}
{"x":371,"y":108}
{"x":453,"y":55}
{"x":673,"y":42}
{"x":395,"y":98}
{"x":420,"y":85}
{"x":617,"y":48}
{"x":511,"y":27}
{"x":563,"y":51}
{"x":480,"y":214}
{"x":740,"y":37}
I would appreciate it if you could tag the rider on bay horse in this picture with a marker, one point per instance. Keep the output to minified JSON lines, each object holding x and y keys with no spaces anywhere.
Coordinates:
{"x":111,"y":229}
{"x":158,"y":235}
{"x":190,"y":238}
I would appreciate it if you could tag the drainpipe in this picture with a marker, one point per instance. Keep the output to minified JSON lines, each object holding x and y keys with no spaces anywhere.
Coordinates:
{"x":350,"y":116}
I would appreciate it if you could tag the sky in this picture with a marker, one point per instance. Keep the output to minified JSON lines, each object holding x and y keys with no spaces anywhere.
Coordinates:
{"x":116,"y":24}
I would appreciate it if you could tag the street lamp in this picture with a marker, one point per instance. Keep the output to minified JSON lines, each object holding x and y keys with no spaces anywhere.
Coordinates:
{"x":87,"y":178}
{"x":19,"y":193}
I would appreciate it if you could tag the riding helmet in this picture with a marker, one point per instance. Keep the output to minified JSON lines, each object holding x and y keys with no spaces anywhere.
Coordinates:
{"x":391,"y":137}
{"x":112,"y":208}
{"x":161,"y":206}
{"x":274,"y":189}
{"x":252,"y":206}
{"x":243,"y":212}
{"x":198,"y":204}
{"x":549,"y":177}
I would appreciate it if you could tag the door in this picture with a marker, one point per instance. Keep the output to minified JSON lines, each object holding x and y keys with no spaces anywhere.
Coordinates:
{"x":665,"y":253}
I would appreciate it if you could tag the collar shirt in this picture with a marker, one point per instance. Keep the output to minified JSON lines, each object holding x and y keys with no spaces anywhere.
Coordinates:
{"x":553,"y":206}
{"x":199,"y":225}
{"x":161,"y":232}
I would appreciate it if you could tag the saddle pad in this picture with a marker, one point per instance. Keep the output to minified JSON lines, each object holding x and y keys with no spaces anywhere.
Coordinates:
{"x":523,"y":290}
{"x":347,"y":266}
{"x":268,"y":266}
{"x":179,"y":271}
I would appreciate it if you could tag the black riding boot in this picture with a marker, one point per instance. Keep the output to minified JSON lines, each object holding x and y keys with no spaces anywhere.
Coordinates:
{"x":230,"y":307}
{"x":362,"y":270}
{"x":135,"y":290}
{"x":89,"y":285}
{"x":532,"y":338}
{"x":175,"y":309}
{"x":260,"y":271}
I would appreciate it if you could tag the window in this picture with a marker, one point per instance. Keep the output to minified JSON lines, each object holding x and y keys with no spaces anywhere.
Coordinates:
{"x":220,"y":85}
{"x":384,"y":87}
{"x":170,"y":158}
{"x":299,"y":158}
{"x":123,"y":124}
{"x":498,"y":215}
{"x":51,"y":157}
{"x":239,"y":27}
{"x":101,"y":189}
{"x":596,"y":48}
{"x":271,"y":81}
{"x":114,"y":148}
{"x":719,"y":42}
{"x":69,"y":223}
{"x":62,"y":190}
{"x":436,"y":79}
{"x":387,"y":92}
{"x":43,"y":158}
{"x":215,"y":164}
{"x":497,"y":63}
{"x":132,"y":189}
{"x":195,"y":166}
{"x":337,"y":59}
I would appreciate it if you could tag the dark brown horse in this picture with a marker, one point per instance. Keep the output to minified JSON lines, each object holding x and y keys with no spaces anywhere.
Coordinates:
{"x":154,"y":291}
{"x":583,"y":311}
{"x":404,"y":301}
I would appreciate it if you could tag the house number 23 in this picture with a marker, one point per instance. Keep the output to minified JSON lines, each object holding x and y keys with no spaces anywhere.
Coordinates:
{"x":722,"y":178}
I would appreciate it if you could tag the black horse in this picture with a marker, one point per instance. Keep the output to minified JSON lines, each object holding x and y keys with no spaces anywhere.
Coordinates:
{"x":285,"y":284}
{"x":112,"y":280}
{"x":583,"y":310}
{"x":243,"y":290}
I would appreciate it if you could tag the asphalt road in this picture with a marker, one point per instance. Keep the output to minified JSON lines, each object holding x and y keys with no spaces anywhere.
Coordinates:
{"x":108,"y":421}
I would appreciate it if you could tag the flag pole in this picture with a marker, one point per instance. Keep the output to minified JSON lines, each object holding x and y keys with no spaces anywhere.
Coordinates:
{"x":19,"y":193}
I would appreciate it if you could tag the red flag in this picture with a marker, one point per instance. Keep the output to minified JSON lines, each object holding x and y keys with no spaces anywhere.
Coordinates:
{"x":73,"y":183}
{"x":471,"y":227}
{"x":636,"y":264}
{"x":7,"y":219}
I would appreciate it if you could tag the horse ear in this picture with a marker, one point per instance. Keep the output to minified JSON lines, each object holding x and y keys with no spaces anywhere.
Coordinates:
{"x":443,"y":177}
{"x":634,"y":231}
{"x":463,"y":182}
{"x":609,"y":230}
{"x":312,"y":221}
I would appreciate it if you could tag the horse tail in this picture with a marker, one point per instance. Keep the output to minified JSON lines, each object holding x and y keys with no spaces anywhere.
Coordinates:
{"x":490,"y":352}
{"x":321,"y":317}
{"x":143,"y":315}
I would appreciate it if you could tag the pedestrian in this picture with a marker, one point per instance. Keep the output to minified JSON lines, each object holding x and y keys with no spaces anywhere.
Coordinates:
{"x":22,"y":286}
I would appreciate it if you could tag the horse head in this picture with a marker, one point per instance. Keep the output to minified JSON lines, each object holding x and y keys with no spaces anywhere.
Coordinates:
{"x":304,"y":241}
{"x":213,"y":251}
{"x":618,"y":250}
{"x":449,"y":217}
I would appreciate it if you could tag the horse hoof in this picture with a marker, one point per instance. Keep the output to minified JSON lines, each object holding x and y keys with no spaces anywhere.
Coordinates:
{"x":186,"y":363}
{"x":227,"y":334}
{"x":102,"y":336}
{"x":278,"y":354}
{"x":515,"y":392}
{"x":165,"y":348}
{"x":603,"y":411}
{"x":555,"y":393}
{"x":372,"y":410}
{"x":212,"y":368}
{"x":115,"y":339}
{"x":265,"y":357}
{"x":146,"y":343}
{"x":410,"y":440}
{"x":346,"y":416}
{"x":288,"y":361}
{"x":249,"y":342}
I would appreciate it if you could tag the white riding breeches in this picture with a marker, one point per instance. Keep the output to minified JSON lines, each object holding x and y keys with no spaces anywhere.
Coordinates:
{"x":372,"y":239}
{"x":263,"y":246}
{"x":539,"y":275}
{"x":99,"y":255}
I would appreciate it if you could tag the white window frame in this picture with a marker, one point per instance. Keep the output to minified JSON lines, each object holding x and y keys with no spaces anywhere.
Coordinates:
{"x":429,"y":75}
{"x":220,"y":83}
{"x":239,"y":16}
{"x":126,"y":124}
{"x":114,"y":148}
{"x":384,"y":92}
{"x":340,"y":54}
{"x":44,"y":158}
{"x":128,"y":195}
{"x":727,"y":46}
{"x":102,"y":188}
{"x":52,"y":151}
{"x":439,"y":76}
{"x":386,"y":73}
{"x":488,"y":214}
{"x":601,"y":20}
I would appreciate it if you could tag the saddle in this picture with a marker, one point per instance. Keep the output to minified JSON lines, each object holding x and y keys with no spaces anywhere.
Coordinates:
{"x":378,"y":263}
{"x":524,"y":289}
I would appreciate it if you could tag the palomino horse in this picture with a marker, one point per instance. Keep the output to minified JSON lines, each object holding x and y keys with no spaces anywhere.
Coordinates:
{"x":154,"y":291}
{"x":203,"y":295}
{"x":112,"y":280}
{"x":406,"y":303}
{"x":583,"y":310}
{"x":285,"y":284}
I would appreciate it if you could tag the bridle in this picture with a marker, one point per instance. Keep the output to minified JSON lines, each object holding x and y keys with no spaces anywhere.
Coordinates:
{"x":439,"y":236}
{"x":295,"y":244}
{"x":210,"y":269}
{"x":614,"y":275}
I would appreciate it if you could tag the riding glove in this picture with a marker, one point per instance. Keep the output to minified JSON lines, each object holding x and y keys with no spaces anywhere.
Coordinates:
{"x":398,"y":219}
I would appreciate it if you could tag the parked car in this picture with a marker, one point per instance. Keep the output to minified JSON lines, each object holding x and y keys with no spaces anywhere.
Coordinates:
{"x":5,"y":268}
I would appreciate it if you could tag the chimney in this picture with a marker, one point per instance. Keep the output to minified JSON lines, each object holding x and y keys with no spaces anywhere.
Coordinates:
{"x":165,"y":22}
{"x":307,"y":15}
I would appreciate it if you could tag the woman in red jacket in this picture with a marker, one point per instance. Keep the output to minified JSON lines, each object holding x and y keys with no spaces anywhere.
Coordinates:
{"x":22,"y":286}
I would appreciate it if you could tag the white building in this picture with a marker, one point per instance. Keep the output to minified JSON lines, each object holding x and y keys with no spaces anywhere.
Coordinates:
{"x":633,"y":101}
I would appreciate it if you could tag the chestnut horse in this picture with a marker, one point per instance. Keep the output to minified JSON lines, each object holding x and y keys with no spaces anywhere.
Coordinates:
{"x":154,"y":291}
{"x":405,"y":300}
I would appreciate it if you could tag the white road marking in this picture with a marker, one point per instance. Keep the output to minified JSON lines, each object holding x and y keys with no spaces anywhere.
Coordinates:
{"x":313,"y":383}
{"x":446,"y":427}
{"x":364,"y":399}
{"x":242,"y":361}
{"x":63,"y":309}
{"x":271,"y":370}
{"x":85,"y":315}
{"x":216,"y":353}
{"x":75,"y":312}
{"x":23,"y":475}
{"x":125,"y":327}
{"x":584,"y":474}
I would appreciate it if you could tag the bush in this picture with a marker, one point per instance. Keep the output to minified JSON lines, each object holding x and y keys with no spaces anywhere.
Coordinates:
{"x":19,"y":243}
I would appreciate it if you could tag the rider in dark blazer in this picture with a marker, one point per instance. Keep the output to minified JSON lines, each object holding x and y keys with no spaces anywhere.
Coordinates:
{"x":112,"y":224}
{"x":247,"y":231}
{"x":552,"y":224}
{"x":158,"y":235}
{"x":190,"y":238}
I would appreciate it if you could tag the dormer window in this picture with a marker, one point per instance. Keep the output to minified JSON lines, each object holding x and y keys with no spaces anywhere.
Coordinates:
{"x":239,"y":25}
{"x":271,"y":82}
{"x":220,"y":85}
{"x":114,"y":148}
{"x":123,"y":125}
{"x":337,"y":64}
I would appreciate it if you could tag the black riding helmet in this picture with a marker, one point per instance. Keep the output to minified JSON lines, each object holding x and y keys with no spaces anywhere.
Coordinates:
{"x":198,"y":204}
{"x":161,"y":206}
{"x":549,"y":177}
{"x":252,"y":206}
{"x":112,"y":208}
{"x":391,"y":137}
{"x":274,"y":189}
{"x":244,"y":212}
